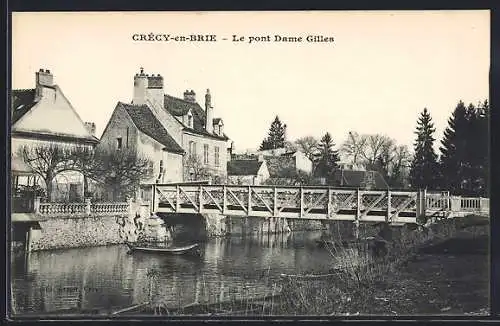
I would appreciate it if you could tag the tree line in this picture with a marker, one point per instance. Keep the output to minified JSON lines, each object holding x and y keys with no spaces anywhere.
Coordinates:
{"x":463,"y":164}
{"x":371,"y":152}
{"x":461,"y":168}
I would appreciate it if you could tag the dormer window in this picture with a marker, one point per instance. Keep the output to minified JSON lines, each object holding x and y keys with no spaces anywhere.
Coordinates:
{"x":218,"y":127}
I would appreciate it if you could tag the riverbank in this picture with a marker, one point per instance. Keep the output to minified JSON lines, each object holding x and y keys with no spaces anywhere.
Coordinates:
{"x":445,"y":273}
{"x":440,"y":271}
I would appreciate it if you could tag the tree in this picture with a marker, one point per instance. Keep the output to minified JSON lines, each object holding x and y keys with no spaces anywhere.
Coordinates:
{"x":195,"y":170}
{"x":354,"y":147}
{"x":307,"y":145}
{"x":121,"y":170}
{"x":376,"y":146}
{"x":464,"y":161}
{"x":47,"y":161}
{"x":399,"y":168}
{"x":325,"y":160}
{"x":276,"y":137}
{"x":424,"y":165}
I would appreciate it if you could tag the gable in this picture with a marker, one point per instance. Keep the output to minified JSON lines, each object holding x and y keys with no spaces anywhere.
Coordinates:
{"x":149,"y":124}
{"x":53,"y":114}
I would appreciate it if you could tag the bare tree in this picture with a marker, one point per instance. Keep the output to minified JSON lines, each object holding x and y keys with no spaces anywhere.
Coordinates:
{"x":354,"y":147}
{"x":120,"y":170}
{"x":195,"y":170}
{"x":400,"y":166}
{"x":47,"y":161}
{"x":378,"y":146}
{"x":307,"y":145}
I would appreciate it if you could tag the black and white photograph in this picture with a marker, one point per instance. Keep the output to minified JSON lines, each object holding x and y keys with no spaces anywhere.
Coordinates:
{"x":249,"y":164}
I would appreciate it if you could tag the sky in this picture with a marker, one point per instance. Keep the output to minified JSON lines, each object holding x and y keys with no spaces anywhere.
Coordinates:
{"x":377,"y":75}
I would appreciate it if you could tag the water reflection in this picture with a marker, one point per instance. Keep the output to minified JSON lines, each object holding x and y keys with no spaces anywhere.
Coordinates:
{"x":105,"y":279}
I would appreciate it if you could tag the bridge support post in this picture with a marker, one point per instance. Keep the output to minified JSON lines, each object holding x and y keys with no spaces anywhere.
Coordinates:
{"x":421,"y":203}
{"x":358,"y":214}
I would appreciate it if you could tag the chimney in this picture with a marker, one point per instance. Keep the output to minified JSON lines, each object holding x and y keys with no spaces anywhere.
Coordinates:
{"x":155,"y":92}
{"x":42,"y":78}
{"x":190,"y":96}
{"x":90,"y":127}
{"x":140,"y":88}
{"x":209,"y":112}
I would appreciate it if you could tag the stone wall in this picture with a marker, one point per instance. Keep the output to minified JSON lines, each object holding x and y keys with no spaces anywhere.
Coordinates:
{"x":88,"y":231}
{"x":306,"y":225}
{"x":59,"y":233}
{"x":257,"y":225}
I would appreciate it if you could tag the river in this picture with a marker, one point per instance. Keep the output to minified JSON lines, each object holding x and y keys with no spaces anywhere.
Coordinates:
{"x":105,"y":279}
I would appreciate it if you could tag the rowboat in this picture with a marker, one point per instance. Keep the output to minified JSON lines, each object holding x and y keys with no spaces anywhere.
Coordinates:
{"x":192,"y":249}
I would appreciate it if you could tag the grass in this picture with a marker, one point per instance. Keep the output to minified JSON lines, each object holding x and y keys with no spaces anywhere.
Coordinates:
{"x":367,"y":284}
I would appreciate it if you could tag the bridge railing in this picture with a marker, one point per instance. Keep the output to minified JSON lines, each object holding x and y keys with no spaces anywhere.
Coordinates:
{"x":86,"y":208}
{"x":308,"y":202}
{"x":285,"y":201}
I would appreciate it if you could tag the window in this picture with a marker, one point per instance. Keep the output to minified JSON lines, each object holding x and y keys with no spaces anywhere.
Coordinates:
{"x":195,"y":152}
{"x":190,"y":120}
{"x":217,"y":162}
{"x":119,"y":143}
{"x":127,"y":138}
{"x":191,"y":145}
{"x":205,"y":154}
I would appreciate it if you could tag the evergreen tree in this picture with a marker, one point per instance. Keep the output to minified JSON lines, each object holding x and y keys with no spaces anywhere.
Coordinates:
{"x":424,"y":165}
{"x":276,"y":137}
{"x":326,"y":157}
{"x":465,"y":150}
{"x":453,"y":149}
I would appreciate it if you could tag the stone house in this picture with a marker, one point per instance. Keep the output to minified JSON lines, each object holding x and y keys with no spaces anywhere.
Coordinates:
{"x":252,"y":172}
{"x":177,"y":134}
{"x":43,"y":116}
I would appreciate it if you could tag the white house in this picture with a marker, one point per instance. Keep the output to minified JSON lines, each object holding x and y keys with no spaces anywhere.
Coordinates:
{"x":247,"y":172}
{"x":43,"y":116}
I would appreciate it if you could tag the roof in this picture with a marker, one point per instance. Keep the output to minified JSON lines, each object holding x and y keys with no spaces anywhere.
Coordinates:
{"x":243,"y":167}
{"x":280,"y":166}
{"x":354,"y":178}
{"x":148,"y":124}
{"x":179,"y":107}
{"x":22,"y":101}
{"x":290,"y":153}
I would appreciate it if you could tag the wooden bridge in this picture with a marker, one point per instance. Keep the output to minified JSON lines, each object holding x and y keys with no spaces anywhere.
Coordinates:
{"x":319,"y":203}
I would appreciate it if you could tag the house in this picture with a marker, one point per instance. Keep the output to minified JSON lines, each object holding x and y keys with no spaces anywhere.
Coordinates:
{"x":251,"y":172}
{"x":291,"y":159}
{"x":359,"y":179}
{"x":177,"y":134}
{"x":43,"y":116}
